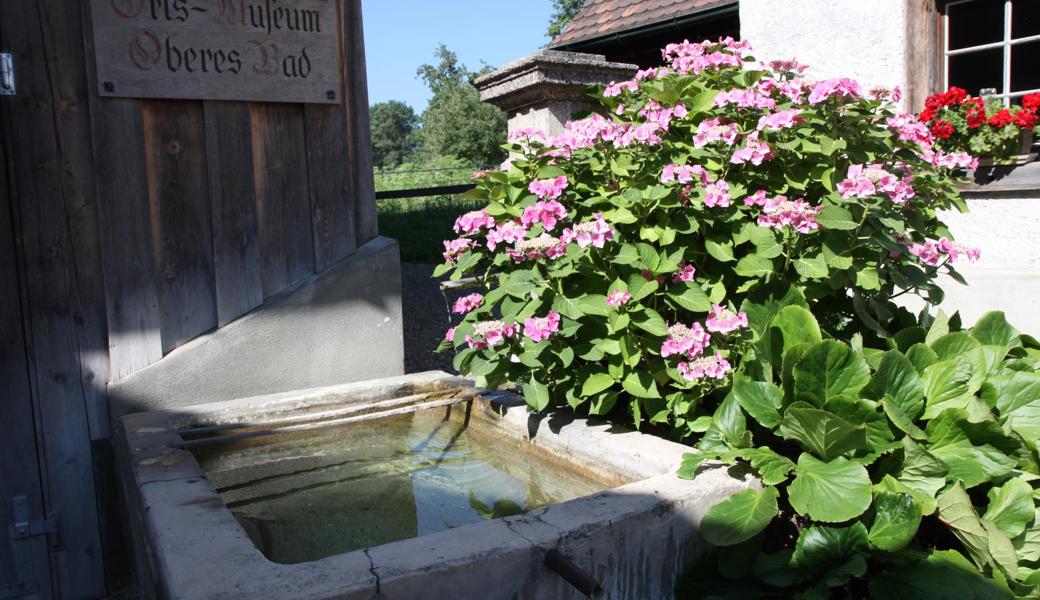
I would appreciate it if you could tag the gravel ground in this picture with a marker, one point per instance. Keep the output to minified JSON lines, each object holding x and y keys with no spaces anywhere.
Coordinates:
{"x":425,"y":319}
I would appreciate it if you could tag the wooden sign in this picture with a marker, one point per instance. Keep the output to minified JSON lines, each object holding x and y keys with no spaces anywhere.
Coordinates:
{"x":258,"y":50}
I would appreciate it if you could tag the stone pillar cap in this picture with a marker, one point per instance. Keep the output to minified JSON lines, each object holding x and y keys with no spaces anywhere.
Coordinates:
{"x":548,"y":75}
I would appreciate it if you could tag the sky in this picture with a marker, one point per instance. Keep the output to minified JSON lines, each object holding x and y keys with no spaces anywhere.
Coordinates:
{"x":400,"y":35}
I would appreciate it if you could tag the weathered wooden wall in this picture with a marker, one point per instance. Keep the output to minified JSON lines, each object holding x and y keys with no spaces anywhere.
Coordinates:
{"x":135,"y":226}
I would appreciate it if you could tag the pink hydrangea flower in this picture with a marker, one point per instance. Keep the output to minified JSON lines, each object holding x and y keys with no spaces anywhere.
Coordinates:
{"x":540,"y":328}
{"x":543,"y":246}
{"x":651,"y":73}
{"x":467,"y":303}
{"x":868,"y":180}
{"x":550,"y":189}
{"x":688,"y":341}
{"x":683,"y":173}
{"x":779,"y":120}
{"x":752,"y":97}
{"x":488,"y":334}
{"x":842,"y":86}
{"x":449,"y":335}
{"x":548,"y":213}
{"x":453,"y":249}
{"x":662,"y":116}
{"x":473,"y":221}
{"x":686,"y":57}
{"x":788,"y":66}
{"x":715,"y":130}
{"x":723,"y":320}
{"x":756,"y":199}
{"x":618,"y":298}
{"x":931,"y":251}
{"x":685,"y":274}
{"x":589,"y":233}
{"x":953,"y":160}
{"x":779,"y":212}
{"x":909,"y":128}
{"x":525,"y":134}
{"x":716,"y":194}
{"x":615,"y":88}
{"x":754,"y":151}
{"x":509,"y":232}
{"x":714,"y":367}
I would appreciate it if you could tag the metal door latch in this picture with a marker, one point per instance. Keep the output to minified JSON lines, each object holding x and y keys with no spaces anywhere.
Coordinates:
{"x":6,"y":75}
{"x":20,"y":530}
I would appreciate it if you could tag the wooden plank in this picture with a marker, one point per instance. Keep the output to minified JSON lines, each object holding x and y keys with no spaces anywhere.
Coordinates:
{"x":282,"y":196}
{"x":63,"y":36}
{"x":236,"y":257}
{"x":178,"y":195}
{"x":132,"y":305}
{"x":46,"y":251}
{"x":20,"y":472}
{"x":331,"y":185}
{"x":247,"y":50}
{"x":359,"y":132}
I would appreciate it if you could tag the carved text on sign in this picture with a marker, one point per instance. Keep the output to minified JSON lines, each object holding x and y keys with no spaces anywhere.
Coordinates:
{"x":275,"y":50}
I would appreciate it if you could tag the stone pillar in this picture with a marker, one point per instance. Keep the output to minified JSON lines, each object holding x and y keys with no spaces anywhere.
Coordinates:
{"x":543,"y":90}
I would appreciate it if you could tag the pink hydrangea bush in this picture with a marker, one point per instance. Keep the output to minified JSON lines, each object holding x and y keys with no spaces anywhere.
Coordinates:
{"x":635,"y":261}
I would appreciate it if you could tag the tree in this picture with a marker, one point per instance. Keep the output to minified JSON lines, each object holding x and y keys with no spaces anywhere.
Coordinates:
{"x":563,"y":12}
{"x":456,"y":123}
{"x":393,"y":128}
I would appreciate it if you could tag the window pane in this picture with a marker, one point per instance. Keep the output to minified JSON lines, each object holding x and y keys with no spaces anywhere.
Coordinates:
{"x":1025,"y":18}
{"x":975,"y":23}
{"x":1025,"y":66}
{"x":976,"y":70}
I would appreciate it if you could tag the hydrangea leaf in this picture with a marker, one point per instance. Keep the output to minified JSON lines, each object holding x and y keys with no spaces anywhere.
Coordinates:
{"x":836,"y":217}
{"x":536,"y":394}
{"x":825,"y":434}
{"x":691,"y":297}
{"x":831,"y":492}
{"x":829,"y":369}
{"x":896,"y":519}
{"x":1010,"y":506}
{"x":739,"y":517}
{"x":596,"y":383}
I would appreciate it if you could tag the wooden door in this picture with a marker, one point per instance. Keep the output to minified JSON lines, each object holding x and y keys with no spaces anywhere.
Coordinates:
{"x":24,"y":563}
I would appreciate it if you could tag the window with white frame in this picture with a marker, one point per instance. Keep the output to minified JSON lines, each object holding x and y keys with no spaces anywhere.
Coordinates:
{"x":992,"y":47}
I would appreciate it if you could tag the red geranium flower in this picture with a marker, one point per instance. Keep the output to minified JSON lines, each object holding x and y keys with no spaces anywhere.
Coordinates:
{"x":955,"y":95}
{"x":1025,"y":118}
{"x":927,"y":114}
{"x":1032,"y":102}
{"x":976,"y":118}
{"x":1001,"y":119}
{"x":942,"y":129}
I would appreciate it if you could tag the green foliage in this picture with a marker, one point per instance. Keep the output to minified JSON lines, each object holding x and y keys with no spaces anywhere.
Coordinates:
{"x":886,"y":495}
{"x":393,"y":127}
{"x":456,"y":123}
{"x":563,"y":12}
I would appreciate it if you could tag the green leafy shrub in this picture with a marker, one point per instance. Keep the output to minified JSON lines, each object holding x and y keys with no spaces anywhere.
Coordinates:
{"x":619,"y":260}
{"x":903,"y":471}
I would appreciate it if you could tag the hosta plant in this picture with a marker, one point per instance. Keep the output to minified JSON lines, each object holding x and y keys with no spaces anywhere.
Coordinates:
{"x":905,"y":471}
{"x":615,"y":266}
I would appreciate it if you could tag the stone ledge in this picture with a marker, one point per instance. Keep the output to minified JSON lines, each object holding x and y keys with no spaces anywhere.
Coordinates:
{"x":1010,"y":181}
{"x":548,"y":75}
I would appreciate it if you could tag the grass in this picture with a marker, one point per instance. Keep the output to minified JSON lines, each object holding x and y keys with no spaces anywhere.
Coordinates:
{"x":421,"y":224}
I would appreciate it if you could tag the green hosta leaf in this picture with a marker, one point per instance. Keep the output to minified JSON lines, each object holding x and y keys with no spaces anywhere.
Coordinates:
{"x":775,"y":569}
{"x":738,"y":561}
{"x":939,"y":575}
{"x":954,"y":345}
{"x":972,"y":464}
{"x":946,"y":385}
{"x":922,"y":472}
{"x":692,"y":298}
{"x":761,"y":400}
{"x":811,"y":267}
{"x":921,"y":357}
{"x":896,"y":519}
{"x":1027,"y":545}
{"x":1011,"y":390}
{"x":739,"y":517}
{"x":900,"y":419}
{"x":1010,"y":506}
{"x":691,"y":462}
{"x":1025,"y":421}
{"x":827,"y":370}
{"x":985,"y":545}
{"x":836,"y":217}
{"x":754,"y":265}
{"x":826,"y":435}
{"x":797,"y":326}
{"x":641,"y":385}
{"x":771,"y":467}
{"x":831,"y":492}
{"x":993,"y":329}
{"x":536,"y":395}
{"x":596,"y":383}
{"x":897,"y":378}
{"x":824,"y":549}
{"x":730,"y":420}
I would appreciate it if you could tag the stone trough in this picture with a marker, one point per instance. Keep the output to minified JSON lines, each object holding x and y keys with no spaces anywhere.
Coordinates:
{"x":316,"y":494}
